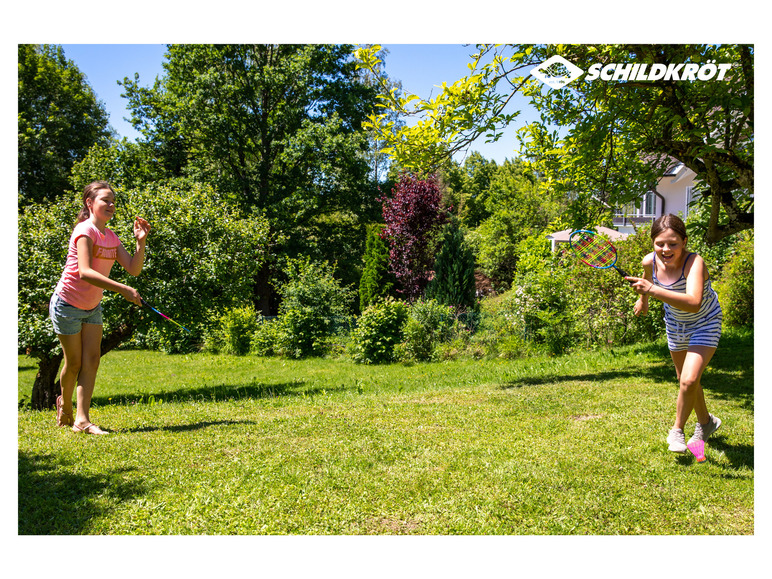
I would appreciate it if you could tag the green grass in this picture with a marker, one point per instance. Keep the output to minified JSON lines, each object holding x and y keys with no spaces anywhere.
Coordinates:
{"x":205,"y":444}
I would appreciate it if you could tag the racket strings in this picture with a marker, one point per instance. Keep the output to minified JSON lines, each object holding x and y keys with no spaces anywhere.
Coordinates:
{"x":594,"y":251}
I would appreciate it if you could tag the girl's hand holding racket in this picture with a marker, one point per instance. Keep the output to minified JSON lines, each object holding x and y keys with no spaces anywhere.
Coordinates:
{"x":640,"y":285}
{"x":132,"y":295}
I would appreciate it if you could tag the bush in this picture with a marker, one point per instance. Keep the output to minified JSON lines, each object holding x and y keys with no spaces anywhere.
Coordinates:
{"x":379,"y":330}
{"x":428,"y":325}
{"x":314,"y":307}
{"x":541,"y":307}
{"x":735,"y":288}
{"x":232,"y":332}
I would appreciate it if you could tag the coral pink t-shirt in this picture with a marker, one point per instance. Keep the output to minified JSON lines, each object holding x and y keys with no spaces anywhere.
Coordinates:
{"x":71,"y":288}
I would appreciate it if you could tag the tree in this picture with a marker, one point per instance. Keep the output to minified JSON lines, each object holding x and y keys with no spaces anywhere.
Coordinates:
{"x":199,"y":259}
{"x":618,"y":136}
{"x":59,"y":119}
{"x":412,"y":215}
{"x":517,"y":208}
{"x":469,"y":184}
{"x":377,"y":281}
{"x":453,"y":283}
{"x":275,"y":127}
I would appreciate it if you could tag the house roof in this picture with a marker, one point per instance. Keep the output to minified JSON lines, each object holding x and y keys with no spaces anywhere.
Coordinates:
{"x":563,"y":236}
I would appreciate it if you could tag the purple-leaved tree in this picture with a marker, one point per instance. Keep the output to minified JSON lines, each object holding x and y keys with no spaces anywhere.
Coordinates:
{"x":412,"y":214}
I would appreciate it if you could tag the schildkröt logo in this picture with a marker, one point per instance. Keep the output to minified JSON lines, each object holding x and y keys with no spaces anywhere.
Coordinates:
{"x":557,"y":72}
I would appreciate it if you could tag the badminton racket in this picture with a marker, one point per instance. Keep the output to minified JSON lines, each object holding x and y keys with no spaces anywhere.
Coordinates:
{"x":595,"y":250}
{"x":144,"y":303}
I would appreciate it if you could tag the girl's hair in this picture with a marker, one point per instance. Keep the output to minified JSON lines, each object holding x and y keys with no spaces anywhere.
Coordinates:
{"x":668,"y":221}
{"x":89,"y":192}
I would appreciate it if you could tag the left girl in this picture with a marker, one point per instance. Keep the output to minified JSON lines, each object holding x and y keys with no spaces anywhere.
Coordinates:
{"x":75,"y":308}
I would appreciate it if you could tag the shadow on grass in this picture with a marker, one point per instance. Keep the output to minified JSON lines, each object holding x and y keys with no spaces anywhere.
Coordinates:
{"x":729,"y":375}
{"x":54,"y":500}
{"x":184,"y":427}
{"x":223,"y":392}
{"x":739,"y":456}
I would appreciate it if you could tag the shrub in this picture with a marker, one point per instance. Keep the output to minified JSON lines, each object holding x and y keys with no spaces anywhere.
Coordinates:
{"x":736,"y":285}
{"x":314,"y":307}
{"x":265,"y":340}
{"x":412,"y":216}
{"x":232,"y":332}
{"x":378,"y":330}
{"x":428,"y":325}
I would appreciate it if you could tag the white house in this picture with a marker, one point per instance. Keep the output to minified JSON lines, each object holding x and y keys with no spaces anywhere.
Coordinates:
{"x":672,"y":194}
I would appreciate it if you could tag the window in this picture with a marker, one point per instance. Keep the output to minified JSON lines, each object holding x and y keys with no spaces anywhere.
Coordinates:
{"x":650,"y":204}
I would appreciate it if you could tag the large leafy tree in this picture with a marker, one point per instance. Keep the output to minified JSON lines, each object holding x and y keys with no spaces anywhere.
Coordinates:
{"x":277,"y":128}
{"x":601,"y":141}
{"x":59,"y":119}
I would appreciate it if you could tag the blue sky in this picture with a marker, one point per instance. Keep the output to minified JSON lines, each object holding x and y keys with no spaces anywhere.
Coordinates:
{"x":420,"y":67}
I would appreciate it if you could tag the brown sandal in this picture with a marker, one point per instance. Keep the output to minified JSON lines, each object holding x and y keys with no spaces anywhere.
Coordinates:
{"x":63,"y":418}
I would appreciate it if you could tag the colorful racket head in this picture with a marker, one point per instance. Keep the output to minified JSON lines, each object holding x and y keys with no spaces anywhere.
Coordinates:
{"x":593,"y":249}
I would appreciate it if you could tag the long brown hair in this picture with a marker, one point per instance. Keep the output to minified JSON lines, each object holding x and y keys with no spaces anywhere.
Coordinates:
{"x":90,"y":192}
{"x":668,"y":221}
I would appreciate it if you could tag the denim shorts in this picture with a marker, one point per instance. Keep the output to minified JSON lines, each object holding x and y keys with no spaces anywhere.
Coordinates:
{"x":67,"y":319}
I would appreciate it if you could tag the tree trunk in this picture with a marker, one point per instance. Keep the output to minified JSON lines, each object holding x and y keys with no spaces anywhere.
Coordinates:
{"x":264,"y":291}
{"x":46,"y":387}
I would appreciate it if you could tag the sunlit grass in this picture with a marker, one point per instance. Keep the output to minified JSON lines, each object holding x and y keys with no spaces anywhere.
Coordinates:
{"x":206,"y":444}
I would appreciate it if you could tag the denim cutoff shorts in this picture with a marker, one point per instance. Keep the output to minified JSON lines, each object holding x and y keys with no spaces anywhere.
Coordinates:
{"x":67,"y":319}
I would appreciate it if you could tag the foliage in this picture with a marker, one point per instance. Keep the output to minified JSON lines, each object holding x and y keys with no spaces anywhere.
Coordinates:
{"x":428,"y":324}
{"x":314,"y":307}
{"x":736,"y":285}
{"x":467,"y":187}
{"x":59,"y":119}
{"x":616,"y":137}
{"x":412,"y":216}
{"x":453,"y":283}
{"x":447,"y":123}
{"x":377,"y":281}
{"x":125,"y":165}
{"x":379,"y":329}
{"x":274,"y":127}
{"x":231,"y":332}
{"x":564,"y":305}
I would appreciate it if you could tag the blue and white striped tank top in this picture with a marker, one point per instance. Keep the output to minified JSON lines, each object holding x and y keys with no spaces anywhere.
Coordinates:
{"x":708,"y":308}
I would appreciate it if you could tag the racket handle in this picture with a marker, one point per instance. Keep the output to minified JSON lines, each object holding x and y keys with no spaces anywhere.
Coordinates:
{"x":622,"y":272}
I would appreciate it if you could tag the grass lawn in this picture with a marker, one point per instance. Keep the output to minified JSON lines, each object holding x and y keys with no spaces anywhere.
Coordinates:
{"x":205,"y":444}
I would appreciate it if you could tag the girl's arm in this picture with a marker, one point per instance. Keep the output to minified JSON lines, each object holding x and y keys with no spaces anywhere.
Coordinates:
{"x":641,"y":307}
{"x":133,"y":264}
{"x":89,"y":274}
{"x":689,"y":301}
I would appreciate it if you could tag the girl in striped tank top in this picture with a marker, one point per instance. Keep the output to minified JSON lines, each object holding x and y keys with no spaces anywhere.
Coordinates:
{"x":693,"y":316}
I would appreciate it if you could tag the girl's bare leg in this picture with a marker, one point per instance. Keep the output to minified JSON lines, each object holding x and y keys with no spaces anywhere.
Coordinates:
{"x":91,"y":342}
{"x":690,"y":364}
